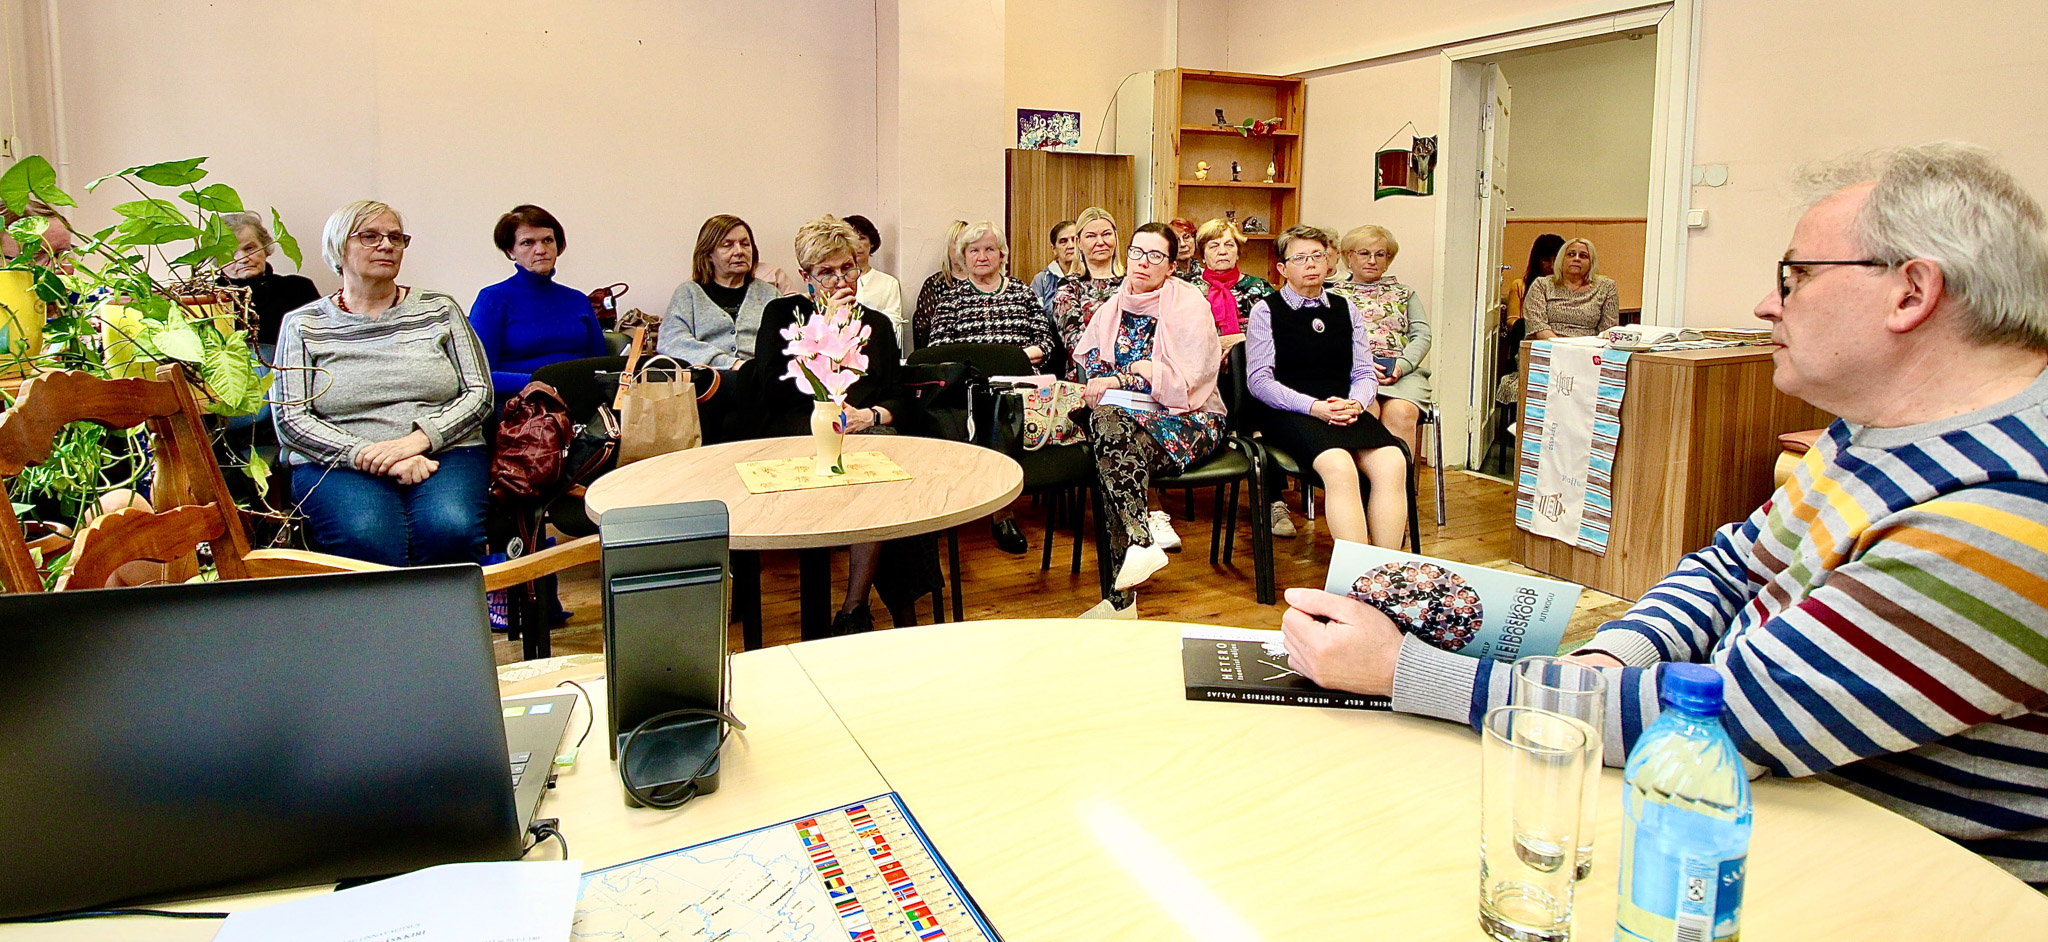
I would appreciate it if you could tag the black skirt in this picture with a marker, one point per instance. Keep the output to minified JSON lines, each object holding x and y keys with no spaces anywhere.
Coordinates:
{"x":1304,"y":436}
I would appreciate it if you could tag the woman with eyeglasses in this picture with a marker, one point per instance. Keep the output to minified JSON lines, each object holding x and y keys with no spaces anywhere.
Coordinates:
{"x":530,"y":320}
{"x":1576,"y":300}
{"x":826,"y":254}
{"x":380,"y":404}
{"x":1394,"y":317}
{"x":1100,"y":274}
{"x":1310,"y":354}
{"x":1152,"y":343}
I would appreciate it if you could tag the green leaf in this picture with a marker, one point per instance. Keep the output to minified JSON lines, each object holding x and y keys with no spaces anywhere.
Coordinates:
{"x":152,"y":209}
{"x":151,"y":232}
{"x":20,"y":509}
{"x":31,"y":176}
{"x":228,"y":371}
{"x":218,"y":198}
{"x":285,"y":240}
{"x":179,"y":342}
{"x":172,"y":172}
{"x":258,"y":471}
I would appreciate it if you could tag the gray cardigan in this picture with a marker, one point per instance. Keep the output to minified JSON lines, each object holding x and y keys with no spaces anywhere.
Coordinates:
{"x":699,"y":332}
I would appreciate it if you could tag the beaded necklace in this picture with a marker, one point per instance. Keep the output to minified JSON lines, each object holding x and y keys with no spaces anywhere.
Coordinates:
{"x":403,"y":292}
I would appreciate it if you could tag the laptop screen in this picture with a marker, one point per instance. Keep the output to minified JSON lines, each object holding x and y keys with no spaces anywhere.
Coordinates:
{"x":200,"y":739}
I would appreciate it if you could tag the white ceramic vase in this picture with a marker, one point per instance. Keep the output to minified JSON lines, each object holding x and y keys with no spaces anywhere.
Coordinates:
{"x":827,"y":435}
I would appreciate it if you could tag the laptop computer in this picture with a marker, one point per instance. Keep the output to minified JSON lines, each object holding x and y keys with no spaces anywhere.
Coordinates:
{"x":534,"y":727}
{"x":226,"y":737}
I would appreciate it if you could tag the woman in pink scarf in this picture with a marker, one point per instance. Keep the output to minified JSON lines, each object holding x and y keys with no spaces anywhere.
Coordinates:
{"x":1231,"y":292}
{"x":1155,"y":338}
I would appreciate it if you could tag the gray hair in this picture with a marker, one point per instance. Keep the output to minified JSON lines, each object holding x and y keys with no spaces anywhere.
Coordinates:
{"x":344,"y":223}
{"x":239,"y":223}
{"x":975,"y":232}
{"x":1302,"y":233}
{"x":1952,"y":204}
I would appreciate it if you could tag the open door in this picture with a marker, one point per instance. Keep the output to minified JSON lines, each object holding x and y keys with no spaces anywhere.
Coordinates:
{"x":1493,"y":219}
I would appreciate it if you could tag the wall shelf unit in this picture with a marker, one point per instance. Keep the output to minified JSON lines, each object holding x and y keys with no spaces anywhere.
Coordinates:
{"x":1185,"y":131}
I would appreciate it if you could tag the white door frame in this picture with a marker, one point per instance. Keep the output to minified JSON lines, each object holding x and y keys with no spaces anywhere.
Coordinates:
{"x":1459,"y":285}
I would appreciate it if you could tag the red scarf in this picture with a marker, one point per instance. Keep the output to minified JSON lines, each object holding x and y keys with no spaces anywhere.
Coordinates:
{"x":1222,"y":300}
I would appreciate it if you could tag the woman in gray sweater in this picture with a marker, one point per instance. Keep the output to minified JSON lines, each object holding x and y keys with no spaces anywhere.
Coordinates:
{"x":380,"y":404}
{"x":712,"y":318}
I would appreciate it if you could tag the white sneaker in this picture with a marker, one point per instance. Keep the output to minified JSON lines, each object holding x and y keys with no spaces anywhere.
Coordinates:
{"x":1108,"y":609}
{"x":1140,"y":562}
{"x":1283,"y":525}
{"x":1161,"y":524}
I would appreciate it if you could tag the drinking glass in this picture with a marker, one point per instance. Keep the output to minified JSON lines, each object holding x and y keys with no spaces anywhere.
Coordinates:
{"x":1531,"y":771}
{"x":1574,"y":690}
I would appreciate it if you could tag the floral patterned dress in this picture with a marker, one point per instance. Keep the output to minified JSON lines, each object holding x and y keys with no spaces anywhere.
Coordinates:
{"x":1075,"y":300}
{"x":1186,"y":438}
{"x":1383,"y":305}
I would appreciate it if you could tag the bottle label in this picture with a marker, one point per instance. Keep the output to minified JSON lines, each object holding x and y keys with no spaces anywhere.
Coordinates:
{"x":1702,"y":898}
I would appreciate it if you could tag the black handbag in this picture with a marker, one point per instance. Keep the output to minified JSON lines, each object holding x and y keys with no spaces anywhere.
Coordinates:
{"x":953,"y":402}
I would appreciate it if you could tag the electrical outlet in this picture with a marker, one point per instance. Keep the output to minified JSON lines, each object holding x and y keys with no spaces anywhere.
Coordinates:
{"x":7,"y":146}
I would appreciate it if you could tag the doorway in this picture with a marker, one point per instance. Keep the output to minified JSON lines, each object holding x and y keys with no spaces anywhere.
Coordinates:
{"x":1613,"y":171}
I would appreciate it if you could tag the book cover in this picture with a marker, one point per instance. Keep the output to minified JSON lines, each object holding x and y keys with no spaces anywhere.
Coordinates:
{"x":1472,"y":610}
{"x":1249,"y":665}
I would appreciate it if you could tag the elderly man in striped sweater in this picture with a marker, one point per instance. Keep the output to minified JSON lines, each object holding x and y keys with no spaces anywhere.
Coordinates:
{"x":1882,"y":621}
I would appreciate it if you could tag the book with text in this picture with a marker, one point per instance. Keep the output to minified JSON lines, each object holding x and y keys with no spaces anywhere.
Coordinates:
{"x":1249,"y":665}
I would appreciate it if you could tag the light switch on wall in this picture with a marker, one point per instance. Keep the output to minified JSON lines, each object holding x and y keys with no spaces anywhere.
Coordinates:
{"x":1695,"y":219}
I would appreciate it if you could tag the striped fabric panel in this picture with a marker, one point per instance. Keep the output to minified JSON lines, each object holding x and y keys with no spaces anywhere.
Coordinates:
{"x":1597,"y":518}
{"x":1534,"y":419}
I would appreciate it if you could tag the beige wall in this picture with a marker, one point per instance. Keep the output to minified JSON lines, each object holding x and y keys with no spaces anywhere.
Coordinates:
{"x":632,"y":122}
{"x":1579,"y":138}
{"x":1349,"y":116}
{"x":1071,"y":55}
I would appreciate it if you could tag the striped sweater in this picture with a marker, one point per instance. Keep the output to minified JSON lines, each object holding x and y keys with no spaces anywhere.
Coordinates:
{"x":1881,"y":622}
{"x":345,"y":381}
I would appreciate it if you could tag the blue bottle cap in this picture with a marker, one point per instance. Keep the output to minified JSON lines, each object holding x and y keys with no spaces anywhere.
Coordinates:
{"x":1694,"y":688}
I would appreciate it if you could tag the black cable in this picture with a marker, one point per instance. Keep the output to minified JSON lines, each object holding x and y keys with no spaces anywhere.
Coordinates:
{"x":99,"y":913}
{"x":680,"y":793}
{"x":542,"y":829}
{"x":589,"y":711}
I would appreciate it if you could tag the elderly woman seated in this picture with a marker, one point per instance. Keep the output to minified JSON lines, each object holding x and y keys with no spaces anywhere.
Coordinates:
{"x":530,"y":320}
{"x":271,"y":295}
{"x":380,"y":405}
{"x":714,"y":318}
{"x":1155,"y":337}
{"x":1395,"y":320}
{"x":1218,"y":245}
{"x":1576,"y":300}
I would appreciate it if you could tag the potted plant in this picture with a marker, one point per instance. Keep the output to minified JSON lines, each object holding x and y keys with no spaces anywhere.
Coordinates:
{"x":125,"y":299}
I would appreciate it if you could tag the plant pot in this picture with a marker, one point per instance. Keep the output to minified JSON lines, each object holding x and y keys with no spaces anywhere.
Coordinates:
{"x":21,"y":316}
{"x":124,"y":358}
{"x":827,"y":434}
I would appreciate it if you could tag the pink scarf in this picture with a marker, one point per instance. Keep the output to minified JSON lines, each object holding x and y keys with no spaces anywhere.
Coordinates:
{"x":1223,"y":300}
{"x":1185,"y":347}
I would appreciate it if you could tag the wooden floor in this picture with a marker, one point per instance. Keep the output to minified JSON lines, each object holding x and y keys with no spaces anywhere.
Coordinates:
{"x":1480,"y":520}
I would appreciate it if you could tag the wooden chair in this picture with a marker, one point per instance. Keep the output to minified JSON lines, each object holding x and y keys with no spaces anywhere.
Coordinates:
{"x":189,"y":494}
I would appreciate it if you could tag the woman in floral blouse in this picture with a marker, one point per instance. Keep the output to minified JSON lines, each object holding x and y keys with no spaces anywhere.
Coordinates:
{"x":1103,"y":274}
{"x":1398,"y":325}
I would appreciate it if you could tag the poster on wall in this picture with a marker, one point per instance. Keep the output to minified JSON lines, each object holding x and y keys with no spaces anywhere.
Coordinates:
{"x":1048,"y":130}
{"x":1406,"y":172}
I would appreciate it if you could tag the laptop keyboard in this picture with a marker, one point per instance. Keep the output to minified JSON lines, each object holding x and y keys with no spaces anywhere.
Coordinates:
{"x":519,"y":766}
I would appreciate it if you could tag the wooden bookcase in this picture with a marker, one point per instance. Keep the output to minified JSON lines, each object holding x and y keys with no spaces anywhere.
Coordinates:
{"x":1185,"y":131}
{"x":1044,"y":187}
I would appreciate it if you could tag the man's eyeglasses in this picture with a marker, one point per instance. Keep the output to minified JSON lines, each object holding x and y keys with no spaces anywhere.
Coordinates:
{"x":1786,"y":268}
{"x":1306,"y":257}
{"x":1137,"y":254}
{"x":371,"y":240}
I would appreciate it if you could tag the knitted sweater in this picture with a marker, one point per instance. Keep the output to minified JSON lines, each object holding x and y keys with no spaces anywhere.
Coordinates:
{"x":528,"y":321}
{"x":699,"y":332}
{"x":345,"y":381}
{"x":1881,"y":622}
{"x":963,"y":313}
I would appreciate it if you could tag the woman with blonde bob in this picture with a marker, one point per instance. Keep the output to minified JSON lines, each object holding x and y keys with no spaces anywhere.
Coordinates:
{"x":1100,"y":274}
{"x":1396,"y":322}
{"x":380,"y":404}
{"x":1576,"y":300}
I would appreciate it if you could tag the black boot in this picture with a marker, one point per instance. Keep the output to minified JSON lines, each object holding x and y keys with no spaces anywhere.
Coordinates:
{"x":853,"y":622}
{"x":1009,"y":536}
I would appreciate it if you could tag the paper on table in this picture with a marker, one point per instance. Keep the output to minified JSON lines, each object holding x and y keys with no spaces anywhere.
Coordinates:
{"x":467,"y":902}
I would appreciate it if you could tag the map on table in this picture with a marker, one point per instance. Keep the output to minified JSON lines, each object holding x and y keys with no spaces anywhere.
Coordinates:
{"x":860,"y":873}
{"x":796,"y":474}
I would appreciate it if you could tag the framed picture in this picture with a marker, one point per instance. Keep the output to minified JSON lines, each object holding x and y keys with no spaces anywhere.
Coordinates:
{"x":1048,"y":130}
{"x":1406,"y":172}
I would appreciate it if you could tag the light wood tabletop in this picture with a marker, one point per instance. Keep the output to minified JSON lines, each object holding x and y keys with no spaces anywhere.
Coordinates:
{"x":1059,"y":768}
{"x":950,"y":483}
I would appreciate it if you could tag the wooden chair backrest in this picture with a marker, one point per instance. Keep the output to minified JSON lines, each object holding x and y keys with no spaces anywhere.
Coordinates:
{"x":188,"y":491}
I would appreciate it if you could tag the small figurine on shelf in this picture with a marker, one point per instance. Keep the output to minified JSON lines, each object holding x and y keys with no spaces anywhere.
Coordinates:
{"x":1235,"y":171}
{"x":1201,"y":170}
{"x":1230,"y":216}
{"x":1272,"y":171}
{"x":1220,"y":120}
{"x":1254,"y":224}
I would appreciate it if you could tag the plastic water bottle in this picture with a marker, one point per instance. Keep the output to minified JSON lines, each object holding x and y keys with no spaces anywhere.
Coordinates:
{"x":1685,"y":830}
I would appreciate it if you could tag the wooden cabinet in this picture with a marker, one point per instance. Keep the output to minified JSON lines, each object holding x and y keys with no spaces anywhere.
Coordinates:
{"x":1699,"y":436}
{"x":1185,"y":102}
{"x":1045,"y":187}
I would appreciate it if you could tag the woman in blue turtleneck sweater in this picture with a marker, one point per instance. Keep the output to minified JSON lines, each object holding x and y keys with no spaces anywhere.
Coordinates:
{"x":528,"y":321}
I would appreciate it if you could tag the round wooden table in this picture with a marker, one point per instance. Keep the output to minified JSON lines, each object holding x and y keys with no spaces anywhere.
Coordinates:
{"x":950,"y":484}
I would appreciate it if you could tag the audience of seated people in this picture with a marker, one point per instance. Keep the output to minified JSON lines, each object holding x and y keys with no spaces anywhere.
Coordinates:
{"x":530,"y":320}
{"x":714,"y":318}
{"x":1310,"y":350}
{"x":1154,"y":335}
{"x":1576,"y":300}
{"x":1398,"y":324}
{"x":380,"y":404}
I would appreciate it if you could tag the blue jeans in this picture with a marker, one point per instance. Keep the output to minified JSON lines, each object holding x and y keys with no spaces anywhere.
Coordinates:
{"x":376,"y":519}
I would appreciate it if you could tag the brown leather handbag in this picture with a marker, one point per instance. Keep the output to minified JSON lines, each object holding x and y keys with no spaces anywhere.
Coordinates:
{"x":532,"y":444}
